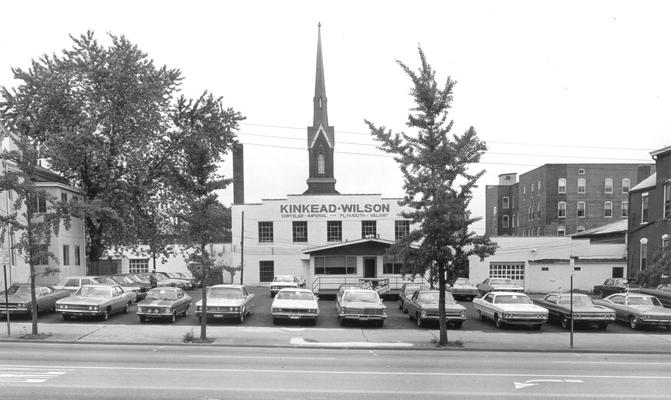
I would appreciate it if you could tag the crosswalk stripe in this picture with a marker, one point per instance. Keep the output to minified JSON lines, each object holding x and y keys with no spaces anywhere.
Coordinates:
{"x":28,"y":375}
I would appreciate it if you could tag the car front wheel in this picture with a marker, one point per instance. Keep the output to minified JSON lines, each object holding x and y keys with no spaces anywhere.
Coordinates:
{"x":242,"y":315}
{"x":458,"y":324}
{"x":419,"y":320}
{"x":497,"y":321}
{"x":173,"y":317}
{"x":633,"y":322}
{"x":106,"y":314}
{"x":565,"y":323}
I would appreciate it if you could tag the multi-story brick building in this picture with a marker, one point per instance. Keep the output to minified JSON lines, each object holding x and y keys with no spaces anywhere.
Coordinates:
{"x":650,"y":214}
{"x":561,"y":199}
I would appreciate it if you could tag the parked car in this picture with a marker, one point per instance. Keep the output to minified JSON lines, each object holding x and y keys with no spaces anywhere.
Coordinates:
{"x":95,"y":300}
{"x":164,"y":303}
{"x":190,"y":278}
{"x":423,"y":307}
{"x":282,"y":281}
{"x":295,"y":304}
{"x":173,"y":280}
{"x":343,"y":287}
{"x":611,"y":286}
{"x":227,"y":301}
{"x":407,"y":290}
{"x":510,"y":308}
{"x":126,"y":284}
{"x":584,"y":310}
{"x":361,"y":305}
{"x":19,"y":299}
{"x":662,"y":292}
{"x":638,"y":309}
{"x":498,"y":285}
{"x":73,"y":283}
{"x":463,"y":289}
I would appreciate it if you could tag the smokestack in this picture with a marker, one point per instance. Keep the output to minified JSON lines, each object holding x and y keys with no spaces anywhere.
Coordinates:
{"x":238,"y":175}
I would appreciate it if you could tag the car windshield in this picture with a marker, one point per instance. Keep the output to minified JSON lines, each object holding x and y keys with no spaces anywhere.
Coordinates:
{"x":19,"y":290}
{"x":284,"y":278}
{"x":412,"y":288}
{"x":122,"y":279}
{"x":578,"y":300}
{"x":294,"y":295}
{"x":94,"y":291}
{"x":174,"y":275}
{"x":224,"y":293}
{"x":643,"y":301}
{"x":433,"y":297}
{"x":162,"y":294}
{"x":365,"y":297}
{"x":512,"y":299}
{"x":462,"y":282}
{"x":501,"y":282}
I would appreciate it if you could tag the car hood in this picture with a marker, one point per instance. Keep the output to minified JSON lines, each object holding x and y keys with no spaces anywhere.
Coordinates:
{"x":594,"y":308}
{"x":362,"y":304}
{"x":83,"y":300}
{"x":156,"y":303}
{"x":288,"y":303}
{"x":449,"y":307}
{"x":284,"y":284}
{"x":12,"y":298}
{"x":521,"y":307}
{"x":221,"y":302}
{"x":463,"y":287}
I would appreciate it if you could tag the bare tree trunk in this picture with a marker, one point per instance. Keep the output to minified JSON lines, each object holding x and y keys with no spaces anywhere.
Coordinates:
{"x":31,"y":269}
{"x":441,"y":305}
{"x":203,"y":269}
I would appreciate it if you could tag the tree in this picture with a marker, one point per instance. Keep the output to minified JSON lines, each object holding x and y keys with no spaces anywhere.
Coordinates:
{"x":211,"y":134}
{"x":437,"y":182}
{"x":658,"y":271}
{"x":34,"y":215}
{"x":103,"y":117}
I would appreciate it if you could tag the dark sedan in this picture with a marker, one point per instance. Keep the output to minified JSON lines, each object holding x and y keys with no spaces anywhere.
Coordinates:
{"x":20,"y":300}
{"x":164,"y":303}
{"x":584,"y":310}
{"x":611,"y":286}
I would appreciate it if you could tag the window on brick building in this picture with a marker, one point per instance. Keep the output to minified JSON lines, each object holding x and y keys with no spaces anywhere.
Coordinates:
{"x":624,"y":209}
{"x":561,"y":230}
{"x":626,"y":182}
{"x":266,"y":271}
{"x":561,"y":209}
{"x":530,"y":213}
{"x":644,"y":253}
{"x":581,"y":171}
{"x":538,"y":211}
{"x":299,"y":231}
{"x":561,"y":185}
{"x":581,"y":209}
{"x":667,"y":201}
{"x":334,"y":231}
{"x":608,"y":209}
{"x":608,"y":186}
{"x":644,"y":208}
{"x":506,"y":203}
{"x":581,"y":185}
{"x":665,"y":240}
{"x":505,"y":221}
{"x":512,"y":220}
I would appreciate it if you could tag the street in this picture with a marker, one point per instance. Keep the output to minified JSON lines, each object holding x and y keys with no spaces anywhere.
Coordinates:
{"x":64,"y":371}
{"x":328,"y":318}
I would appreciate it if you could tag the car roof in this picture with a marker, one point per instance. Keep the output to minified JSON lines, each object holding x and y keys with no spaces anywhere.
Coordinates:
{"x":228,"y":286}
{"x":506,"y":293}
{"x":360,"y":290}
{"x":99,"y":285}
{"x":295,"y":289}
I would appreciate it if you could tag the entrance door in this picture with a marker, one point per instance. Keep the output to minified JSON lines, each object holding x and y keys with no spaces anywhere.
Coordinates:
{"x":369,"y":267}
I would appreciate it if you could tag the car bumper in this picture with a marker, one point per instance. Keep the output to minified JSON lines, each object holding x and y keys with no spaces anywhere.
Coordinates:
{"x":295,"y":316}
{"x":448,"y":318}
{"x":363,"y":317}
{"x":90,"y":313}
{"x":155,"y":315}
{"x":524,"y":321}
{"x":220,"y":315}
{"x":17,"y":310}
{"x":654,"y":322}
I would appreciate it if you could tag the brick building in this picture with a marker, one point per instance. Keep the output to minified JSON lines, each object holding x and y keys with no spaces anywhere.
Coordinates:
{"x":561,"y":199}
{"x":650,"y":214}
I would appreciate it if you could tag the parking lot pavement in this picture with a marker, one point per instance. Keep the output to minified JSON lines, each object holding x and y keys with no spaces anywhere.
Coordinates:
{"x":261,"y":317}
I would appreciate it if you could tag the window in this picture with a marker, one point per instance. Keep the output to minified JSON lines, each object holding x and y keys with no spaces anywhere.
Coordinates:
{"x":320,"y":102}
{"x":608,"y":209}
{"x":321,"y":164}
{"x":539,"y":187}
{"x":494,"y":211}
{"x":580,"y":228}
{"x":78,"y":259}
{"x":524,"y":190}
{"x":581,"y":171}
{"x":576,"y":269}
{"x":624,"y":210}
{"x":299,"y":230}
{"x":581,"y":209}
{"x":335,"y":265}
{"x":538,"y":211}
{"x":530,"y":214}
{"x":392,"y":266}
{"x":265,"y":232}
{"x":512,"y":220}
{"x":506,"y":222}
{"x":561,"y":209}
{"x":561,"y":230}
{"x":39,"y":203}
{"x":510,"y":270}
{"x":506,"y":203}
{"x":518,"y":220}
{"x":64,"y":197}
{"x":545,"y":269}
{"x":561,"y":185}
{"x":401,"y":229}
{"x":368,"y":229}
{"x":66,"y":254}
{"x":532,"y":189}
{"x":644,"y":253}
{"x":334,"y":231}
{"x":608,"y":186}
{"x":42,"y":256}
{"x":665,"y":240}
{"x":626,"y":182}
{"x":138,"y":265}
{"x":266,"y":271}
{"x":644,"y":208}
{"x":581,"y":185}
{"x":667,"y":201}
{"x":618,"y":272}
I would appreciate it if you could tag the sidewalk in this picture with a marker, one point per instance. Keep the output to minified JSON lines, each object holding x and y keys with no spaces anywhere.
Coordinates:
{"x":420,"y":339}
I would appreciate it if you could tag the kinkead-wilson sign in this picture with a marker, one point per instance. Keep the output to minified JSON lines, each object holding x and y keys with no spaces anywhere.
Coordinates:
{"x":366,"y":210}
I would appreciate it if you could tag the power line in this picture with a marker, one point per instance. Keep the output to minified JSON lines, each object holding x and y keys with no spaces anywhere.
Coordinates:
{"x":488,"y":141}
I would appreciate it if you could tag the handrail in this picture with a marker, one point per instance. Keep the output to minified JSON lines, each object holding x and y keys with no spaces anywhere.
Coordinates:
{"x":333,"y":282}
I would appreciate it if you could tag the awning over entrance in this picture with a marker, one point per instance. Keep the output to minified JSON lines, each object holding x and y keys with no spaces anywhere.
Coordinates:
{"x":367,"y":246}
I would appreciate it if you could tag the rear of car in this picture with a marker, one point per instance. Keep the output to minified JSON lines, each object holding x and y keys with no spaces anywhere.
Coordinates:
{"x":362,"y":305}
{"x":295,"y":304}
{"x":282,"y":281}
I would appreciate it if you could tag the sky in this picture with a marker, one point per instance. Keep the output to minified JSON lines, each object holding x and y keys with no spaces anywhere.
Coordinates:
{"x":540,"y":81}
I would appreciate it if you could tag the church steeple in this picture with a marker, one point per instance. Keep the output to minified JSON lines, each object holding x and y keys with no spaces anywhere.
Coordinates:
{"x":321,"y":136}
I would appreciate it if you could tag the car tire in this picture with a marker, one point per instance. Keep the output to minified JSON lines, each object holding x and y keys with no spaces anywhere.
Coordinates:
{"x":275,"y":321}
{"x":66,"y":317}
{"x":497,"y":321}
{"x":458,"y":324}
{"x":537,"y":327}
{"x":313,"y":321}
{"x":105,"y":315}
{"x":242,"y":316}
{"x":602,"y":326}
{"x":420,"y":323}
{"x":173,"y":317}
{"x":343,"y":321}
{"x":565,"y":323}
{"x":633,"y":322}
{"x":380,"y":323}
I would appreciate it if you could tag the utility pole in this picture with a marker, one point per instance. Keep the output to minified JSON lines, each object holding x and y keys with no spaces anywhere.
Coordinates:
{"x":242,"y":249}
{"x":4,"y":271}
{"x":572,"y":264}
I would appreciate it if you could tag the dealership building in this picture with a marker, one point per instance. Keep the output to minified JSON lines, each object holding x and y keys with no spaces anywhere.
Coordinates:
{"x":324,"y":236}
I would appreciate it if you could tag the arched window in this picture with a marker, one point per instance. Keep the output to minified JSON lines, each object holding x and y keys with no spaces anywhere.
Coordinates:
{"x":665,"y":240}
{"x":321,"y":163}
{"x":644,"y":253}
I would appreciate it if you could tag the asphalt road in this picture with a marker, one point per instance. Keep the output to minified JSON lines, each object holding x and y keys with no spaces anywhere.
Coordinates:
{"x":328,"y":318}
{"x":65,"y":371}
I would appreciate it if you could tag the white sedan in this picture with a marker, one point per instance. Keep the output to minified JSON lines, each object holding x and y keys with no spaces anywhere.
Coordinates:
{"x":510,"y":308}
{"x":295,"y":304}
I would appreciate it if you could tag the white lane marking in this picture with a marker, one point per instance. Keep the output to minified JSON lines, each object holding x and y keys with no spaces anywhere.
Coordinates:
{"x":299,"y":341}
{"x":265,"y":357}
{"x":27,"y":375}
{"x":534,"y":382}
{"x":612,"y":362}
{"x":353,"y":372}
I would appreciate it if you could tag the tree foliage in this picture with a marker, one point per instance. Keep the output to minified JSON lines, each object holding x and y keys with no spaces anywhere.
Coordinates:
{"x":658,"y":271}
{"x":438,"y":183}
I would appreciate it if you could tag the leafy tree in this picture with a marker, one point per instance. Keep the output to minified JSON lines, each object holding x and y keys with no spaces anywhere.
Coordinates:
{"x":35,"y":215}
{"x":211,"y":134}
{"x":437,"y":182}
{"x":658,"y":271}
